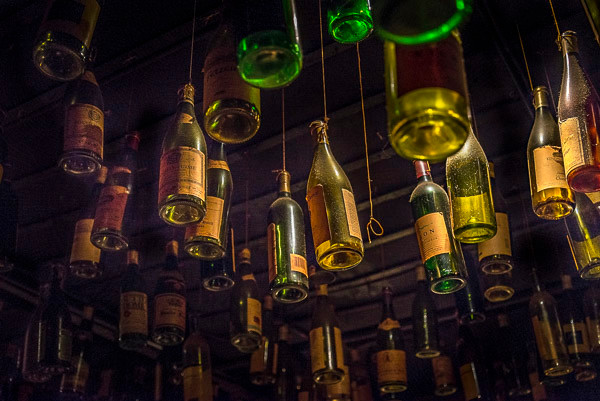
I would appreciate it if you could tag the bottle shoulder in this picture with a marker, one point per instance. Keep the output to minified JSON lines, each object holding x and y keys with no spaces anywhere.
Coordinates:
{"x":326,"y":170}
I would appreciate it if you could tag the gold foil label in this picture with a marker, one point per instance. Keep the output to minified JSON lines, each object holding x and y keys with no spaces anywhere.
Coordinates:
{"x":391,"y":366}
{"x":432,"y":235}
{"x":499,"y":244}
{"x":210,"y":226}
{"x":254,"y":313}
{"x":82,"y":248}
{"x":182,"y":172}
{"x":593,"y":327}
{"x":185,"y":118}
{"x":442,"y":370}
{"x":169,"y":310}
{"x":318,"y":215}
{"x":298,"y":264}
{"x":351,"y":214}
{"x":469,"y":383}
{"x":133,"y":313}
{"x":317,"y":348}
{"x":545,"y":339}
{"x":576,"y":338}
{"x":389,"y":324}
{"x":549,"y":168}
{"x":221,"y":164}
{"x":272,"y":251}
{"x":572,"y":147}
{"x":84,"y":128}
{"x":111,"y":207}
{"x":594,"y":197}
{"x":197,"y":384}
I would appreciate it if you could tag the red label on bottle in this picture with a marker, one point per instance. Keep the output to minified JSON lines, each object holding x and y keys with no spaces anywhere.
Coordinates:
{"x":111,"y":208}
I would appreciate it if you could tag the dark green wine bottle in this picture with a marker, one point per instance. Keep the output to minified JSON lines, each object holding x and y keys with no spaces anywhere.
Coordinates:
{"x":263,"y":362}
{"x":424,"y":318}
{"x":133,"y":320}
{"x":284,"y":382}
{"x":349,"y":21}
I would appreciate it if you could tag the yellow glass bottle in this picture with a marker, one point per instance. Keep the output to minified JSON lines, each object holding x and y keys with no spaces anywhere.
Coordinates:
{"x":583,"y":227}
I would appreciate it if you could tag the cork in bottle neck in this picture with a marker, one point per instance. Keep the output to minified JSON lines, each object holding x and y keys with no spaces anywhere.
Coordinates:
{"x":101,"y":177}
{"x":186,"y":93}
{"x":422,"y":168}
{"x":322,"y":290}
{"x":318,"y":130}
{"x":567,"y":283}
{"x":284,"y":332}
{"x":245,"y":256}
{"x":132,"y":257}
{"x":569,"y":42}
{"x":540,"y":97}
{"x":421,"y":276}
{"x":267,"y":302}
{"x":503,"y":320}
{"x":172,"y":248}
{"x":284,"y":182}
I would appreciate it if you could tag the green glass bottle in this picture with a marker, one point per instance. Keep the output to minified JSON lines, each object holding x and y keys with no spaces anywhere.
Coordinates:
{"x":263,"y":362}
{"x":217,"y":275}
{"x":197,"y":372}
{"x":182,"y":177}
{"x":73,"y":384}
{"x":424,"y":317}
{"x":583,"y":228}
{"x":208,"y":239}
{"x":286,"y":246}
{"x":440,"y":252}
{"x":469,"y":302}
{"x":284,"y":386}
{"x":349,"y":21}
{"x":269,"y":53}
{"x":470,"y":191}
{"x":133,"y":308}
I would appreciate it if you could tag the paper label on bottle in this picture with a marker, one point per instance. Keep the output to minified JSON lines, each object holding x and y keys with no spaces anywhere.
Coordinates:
{"x":75,"y":17}
{"x":303,"y":396}
{"x":257,"y":360}
{"x":593,"y":326}
{"x":341,"y":389}
{"x":576,"y":338}
{"x":432,"y":235}
{"x":82,"y":248}
{"x":65,"y":343}
{"x":499,"y":244}
{"x":111,"y":208}
{"x":318,"y":354}
{"x":221,"y":164}
{"x":298,"y":264}
{"x":84,"y":128}
{"x":197,"y":384}
{"x":254,"y":310}
{"x":169,"y":310}
{"x":210,"y":226}
{"x":391,"y":366}
{"x":469,"y":383}
{"x":248,"y":277}
{"x":549,"y":168}
{"x":442,"y":370}
{"x":351,"y":214}
{"x":318,"y":215}
{"x":182,"y":172}
{"x":538,"y":391}
{"x":572,"y":147}
{"x":389,"y":324}
{"x":133,"y":313}
{"x":545,"y":339}
{"x":272,"y":251}
{"x":594,"y":197}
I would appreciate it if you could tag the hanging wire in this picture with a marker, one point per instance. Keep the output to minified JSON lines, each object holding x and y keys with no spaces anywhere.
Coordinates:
{"x":555,"y":24}
{"x":572,"y":251}
{"x":325,"y":118}
{"x":373,"y":226}
{"x":525,"y":58}
{"x":193,"y":40}
{"x":283,"y":125}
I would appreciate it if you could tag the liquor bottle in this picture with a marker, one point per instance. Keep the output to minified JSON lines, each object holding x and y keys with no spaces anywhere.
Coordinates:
{"x":217,"y":275}
{"x":263,"y":362}
{"x":83,"y":146}
{"x":583,"y":228}
{"x":284,"y":382}
{"x":575,"y":331}
{"x":391,"y":355}
{"x":469,"y":302}
{"x":578,"y":110}
{"x":333,"y":215}
{"x":197,"y":376}
{"x":498,"y":287}
{"x":62,"y":47}
{"x":360,"y":381}
{"x":286,"y":246}
{"x":207,"y":239}
{"x":443,"y":375}
{"x":473,"y":373}
{"x":592,"y":11}
{"x":269,"y":54}
{"x":440,"y":252}
{"x":470,"y":191}
{"x":182,"y":178}
{"x":591,"y":299}
{"x":85,"y":257}
{"x":418,"y":22}
{"x":9,"y":214}
{"x":169,"y":301}
{"x":548,"y":332}
{"x":108,"y":232}
{"x":340,"y":391}
{"x":246,"y":320}
{"x":326,"y":350}
{"x":551,"y":197}
{"x":73,"y":384}
{"x":424,"y":317}
{"x":426,"y":97}
{"x":349,"y":21}
{"x":512,"y":355}
{"x":133,"y":316}
{"x":231,"y":106}
{"x":538,"y":390}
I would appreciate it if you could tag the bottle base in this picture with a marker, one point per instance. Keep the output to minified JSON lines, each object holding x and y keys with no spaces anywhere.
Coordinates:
{"x":262,"y":379}
{"x":474,"y":233}
{"x":340,"y":259}
{"x":60,"y":56}
{"x":553,"y":209}
{"x":351,"y":28}
{"x":36,"y":376}
{"x":427,"y":353}
{"x":445,"y":390}
{"x":559,"y":370}
{"x":246,"y":343}
{"x":499,"y":293}
{"x":231,"y":121}
{"x":289,"y":293}
{"x":85,"y":269}
{"x":392,"y":388}
{"x":495,"y":267}
{"x":584,"y":373}
{"x":204,"y":250}
{"x":109,"y":240}
{"x":585,"y":179}
{"x":519,"y":391}
{"x":168,"y":337}
{"x":328,"y":376}
{"x":447,"y":285}
{"x":182,"y":210}
{"x":80,"y":162}
{"x":472,"y":318}
{"x":217,"y":283}
{"x":591,"y":271}
{"x":132,"y":344}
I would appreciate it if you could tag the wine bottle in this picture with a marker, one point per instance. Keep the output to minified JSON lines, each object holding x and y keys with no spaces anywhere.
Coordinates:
{"x":473,"y":373}
{"x":443,"y":375}
{"x":391,"y":354}
{"x":424,"y":317}
{"x":548,"y":332}
{"x":104,"y":392}
{"x":284,"y":382}
{"x":197,"y":376}
{"x":578,"y":110}
{"x":426,"y":97}
{"x":551,"y":197}
{"x":246,"y":319}
{"x":349,"y":21}
{"x":9,"y":214}
{"x":231,"y":106}
{"x":592,"y":316}
{"x":592,"y":11}
{"x":108,"y":232}
{"x":418,"y":22}
{"x":538,"y":390}
{"x":583,"y":228}
{"x":333,"y":215}
{"x":83,"y":146}
{"x":133,"y":316}
{"x":326,"y":350}
{"x":340,"y":391}
{"x":269,"y":54}
{"x":470,"y":191}
{"x":217,"y":275}
{"x":360,"y":382}
{"x":73,"y":384}
{"x":169,"y":301}
{"x":32,"y":370}
{"x":85,"y":257}
{"x":498,"y":287}
{"x":576,"y":334}
{"x":158,"y":381}
{"x":62,"y":47}
{"x":286,"y":246}
{"x":512,"y":355}
{"x":208,"y":239}
{"x":182,"y":178}
{"x":469,"y":302}
{"x":263,"y":362}
{"x":440,"y":252}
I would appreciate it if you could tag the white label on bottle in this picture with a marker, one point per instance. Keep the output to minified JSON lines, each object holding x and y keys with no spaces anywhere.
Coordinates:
{"x":572,"y":148}
{"x":549,"y":168}
{"x":351,"y":214}
{"x":499,"y":244}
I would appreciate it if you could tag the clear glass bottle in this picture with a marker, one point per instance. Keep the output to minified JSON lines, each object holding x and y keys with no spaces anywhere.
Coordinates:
{"x":551,"y":197}
{"x":498,"y":287}
{"x":583,"y":228}
{"x":591,"y":299}
{"x":182,"y":178}
{"x":133,"y":306}
{"x":441,"y":253}
{"x":9,"y":215}
{"x":426,"y":97}
{"x":470,"y":191}
{"x":578,"y":114}
{"x":349,"y":21}
{"x":513,"y":357}
{"x":263,"y":362}
{"x":73,"y":384}
{"x":284,"y":386}
{"x":197,"y":376}
{"x":424,"y":317}
{"x":333,"y":215}
{"x":217,"y":275}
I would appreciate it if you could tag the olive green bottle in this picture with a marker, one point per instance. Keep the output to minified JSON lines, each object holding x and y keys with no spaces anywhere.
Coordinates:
{"x":349,"y":21}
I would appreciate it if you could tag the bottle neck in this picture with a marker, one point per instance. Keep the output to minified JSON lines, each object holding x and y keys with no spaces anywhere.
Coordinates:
{"x":540,"y":98}
{"x":422,"y":170}
{"x":195,"y":324}
{"x":388,"y":308}
{"x":284,"y":184}
{"x":220,"y":153}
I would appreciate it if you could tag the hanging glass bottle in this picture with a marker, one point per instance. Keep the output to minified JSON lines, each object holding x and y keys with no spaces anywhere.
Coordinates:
{"x":424,"y":317}
{"x":263,"y":363}
{"x":440,"y":252}
{"x":217,"y":275}
{"x":197,"y":376}
{"x":512,"y":354}
{"x":498,"y":287}
{"x":591,"y":299}
{"x":426,"y":97}
{"x":284,"y":382}
{"x":473,"y":373}
{"x":73,"y":384}
{"x":443,"y":375}
{"x":469,"y":302}
{"x":133,"y":306}
{"x":360,"y":382}
{"x":9,"y":215}
{"x":583,"y":228}
{"x":349,"y":21}
{"x":182,"y":178}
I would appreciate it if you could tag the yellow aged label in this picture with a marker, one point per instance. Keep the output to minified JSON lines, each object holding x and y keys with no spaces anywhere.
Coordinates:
{"x":389,"y":324}
{"x":593,"y":327}
{"x":442,"y":370}
{"x":65,"y":343}
{"x":391,"y":366}
{"x":432,"y":235}
{"x":341,"y":388}
{"x":133,"y":313}
{"x":84,"y":128}
{"x":111,"y":207}
{"x":319,"y":356}
{"x":572,"y":147}
{"x":272,"y":251}
{"x":469,"y":383}
{"x":351,"y":214}
{"x":222,"y":164}
{"x":169,"y":310}
{"x":499,"y":244}
{"x":182,"y":172}
{"x":576,"y":338}
{"x":298,"y":264}
{"x":549,"y":168}
{"x":318,"y":215}
{"x":197,"y":384}
{"x":254,"y":310}
{"x":210,"y":226}
{"x":82,"y":248}
{"x":594,"y":197}
{"x":545,"y":338}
